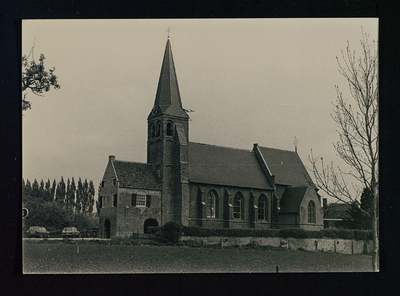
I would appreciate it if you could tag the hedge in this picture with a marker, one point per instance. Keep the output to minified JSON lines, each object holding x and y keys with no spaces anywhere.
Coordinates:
{"x":285,"y":233}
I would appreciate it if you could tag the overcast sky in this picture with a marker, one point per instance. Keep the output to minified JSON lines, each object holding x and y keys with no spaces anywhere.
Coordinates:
{"x":249,"y":81}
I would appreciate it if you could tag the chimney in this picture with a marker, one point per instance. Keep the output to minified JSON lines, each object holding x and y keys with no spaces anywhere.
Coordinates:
{"x":255,"y":145}
{"x":111,"y":158}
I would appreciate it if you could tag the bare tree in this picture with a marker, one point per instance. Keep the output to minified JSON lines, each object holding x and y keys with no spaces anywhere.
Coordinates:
{"x":36,"y":78}
{"x":357,"y":121}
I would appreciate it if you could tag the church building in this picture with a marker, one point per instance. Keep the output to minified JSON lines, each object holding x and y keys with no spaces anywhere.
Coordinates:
{"x":203,"y":185}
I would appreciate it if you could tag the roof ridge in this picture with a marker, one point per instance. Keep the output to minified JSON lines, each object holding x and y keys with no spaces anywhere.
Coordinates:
{"x":133,"y":162}
{"x":220,"y":146}
{"x":298,"y":186}
{"x":277,"y":149}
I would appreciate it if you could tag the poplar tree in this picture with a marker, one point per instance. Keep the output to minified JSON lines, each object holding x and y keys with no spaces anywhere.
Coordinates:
{"x":79,"y":194}
{"x":27,"y":189}
{"x":91,"y":197}
{"x":53,"y":190}
{"x":35,"y":189}
{"x":42,"y":190}
{"x":60,"y":192}
{"x":85,"y":197}
{"x":47,"y":191}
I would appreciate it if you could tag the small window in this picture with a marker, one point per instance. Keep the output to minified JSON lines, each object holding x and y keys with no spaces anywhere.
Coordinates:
{"x":311,"y":212}
{"x":114,"y":181}
{"x":158,"y":129}
{"x":169,"y":129}
{"x":152,"y":131}
{"x":114,"y":200}
{"x":101,"y":201}
{"x":103,"y":183}
{"x":141,"y":200}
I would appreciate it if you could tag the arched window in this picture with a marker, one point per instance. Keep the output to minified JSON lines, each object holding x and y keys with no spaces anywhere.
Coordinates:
{"x":262,"y":208}
{"x":311,"y":212}
{"x":211,"y":205}
{"x":238,"y":206}
{"x":158,"y":129}
{"x":152,"y":131}
{"x":158,"y":151}
{"x":169,"y":128}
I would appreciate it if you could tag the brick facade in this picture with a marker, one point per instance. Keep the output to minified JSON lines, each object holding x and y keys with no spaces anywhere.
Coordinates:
{"x":199,"y":184}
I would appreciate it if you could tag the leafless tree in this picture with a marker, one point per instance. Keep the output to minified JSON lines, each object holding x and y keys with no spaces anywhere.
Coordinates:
{"x":357,"y":121}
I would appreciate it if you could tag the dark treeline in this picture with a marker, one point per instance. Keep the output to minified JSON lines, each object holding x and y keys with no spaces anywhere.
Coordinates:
{"x":57,"y":205}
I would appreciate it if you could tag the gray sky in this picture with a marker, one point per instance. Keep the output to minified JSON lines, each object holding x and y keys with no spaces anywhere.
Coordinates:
{"x":249,"y":81}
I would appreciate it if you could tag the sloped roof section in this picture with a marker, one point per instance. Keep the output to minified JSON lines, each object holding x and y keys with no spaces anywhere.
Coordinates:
{"x":337,"y":211}
{"x":136,"y":175}
{"x":292,"y":198}
{"x":218,"y":165}
{"x":168,"y":98}
{"x":286,"y":166}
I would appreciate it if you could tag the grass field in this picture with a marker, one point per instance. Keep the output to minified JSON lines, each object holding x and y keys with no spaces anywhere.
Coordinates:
{"x":85,"y":257}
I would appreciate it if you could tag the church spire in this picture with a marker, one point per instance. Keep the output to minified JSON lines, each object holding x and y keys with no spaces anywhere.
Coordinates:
{"x":168,"y":99}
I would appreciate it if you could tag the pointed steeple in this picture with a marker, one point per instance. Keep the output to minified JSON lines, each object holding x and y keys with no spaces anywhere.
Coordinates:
{"x":168,"y":99}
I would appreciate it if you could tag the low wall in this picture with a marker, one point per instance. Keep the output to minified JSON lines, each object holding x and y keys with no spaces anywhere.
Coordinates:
{"x":341,"y":246}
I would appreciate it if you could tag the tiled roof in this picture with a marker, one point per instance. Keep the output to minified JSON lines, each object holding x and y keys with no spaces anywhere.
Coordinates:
{"x":136,"y":175}
{"x":292,"y":198}
{"x":286,"y":166}
{"x":218,"y":165}
{"x":337,"y":211}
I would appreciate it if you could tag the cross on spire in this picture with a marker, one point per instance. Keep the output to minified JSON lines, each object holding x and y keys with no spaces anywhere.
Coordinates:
{"x":168,"y":30}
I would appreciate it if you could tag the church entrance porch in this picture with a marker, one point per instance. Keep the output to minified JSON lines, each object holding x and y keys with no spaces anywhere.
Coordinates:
{"x":149,"y":223}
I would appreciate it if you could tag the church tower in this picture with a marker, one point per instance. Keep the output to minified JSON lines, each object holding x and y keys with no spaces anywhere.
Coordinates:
{"x":167,"y":141}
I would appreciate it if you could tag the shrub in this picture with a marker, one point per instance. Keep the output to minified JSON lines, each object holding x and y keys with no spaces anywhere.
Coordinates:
{"x":363,"y":235}
{"x":153,"y":229}
{"x":293,"y":232}
{"x":314,"y":234}
{"x":171,"y":232}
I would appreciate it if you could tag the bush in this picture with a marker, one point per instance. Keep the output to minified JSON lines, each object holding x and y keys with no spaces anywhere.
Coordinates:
{"x":229,"y":232}
{"x":314,"y":234}
{"x":293,"y":232}
{"x":363,"y":235}
{"x":285,"y":233}
{"x":153,"y":229}
{"x":171,"y":232}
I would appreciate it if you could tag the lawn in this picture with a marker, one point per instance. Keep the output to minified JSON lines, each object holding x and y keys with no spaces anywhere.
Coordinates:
{"x":62,"y":257}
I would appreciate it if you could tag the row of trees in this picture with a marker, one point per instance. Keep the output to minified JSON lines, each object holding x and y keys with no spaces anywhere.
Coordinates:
{"x":57,"y":205}
{"x":79,"y":198}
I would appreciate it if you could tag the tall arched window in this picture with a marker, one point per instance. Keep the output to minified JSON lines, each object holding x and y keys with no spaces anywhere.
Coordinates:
{"x":152,"y":131}
{"x":262,"y":208}
{"x":158,"y":151}
{"x":158,"y":129}
{"x":169,"y":128}
{"x":212,"y":203}
{"x":311,"y":212}
{"x":238,"y":206}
